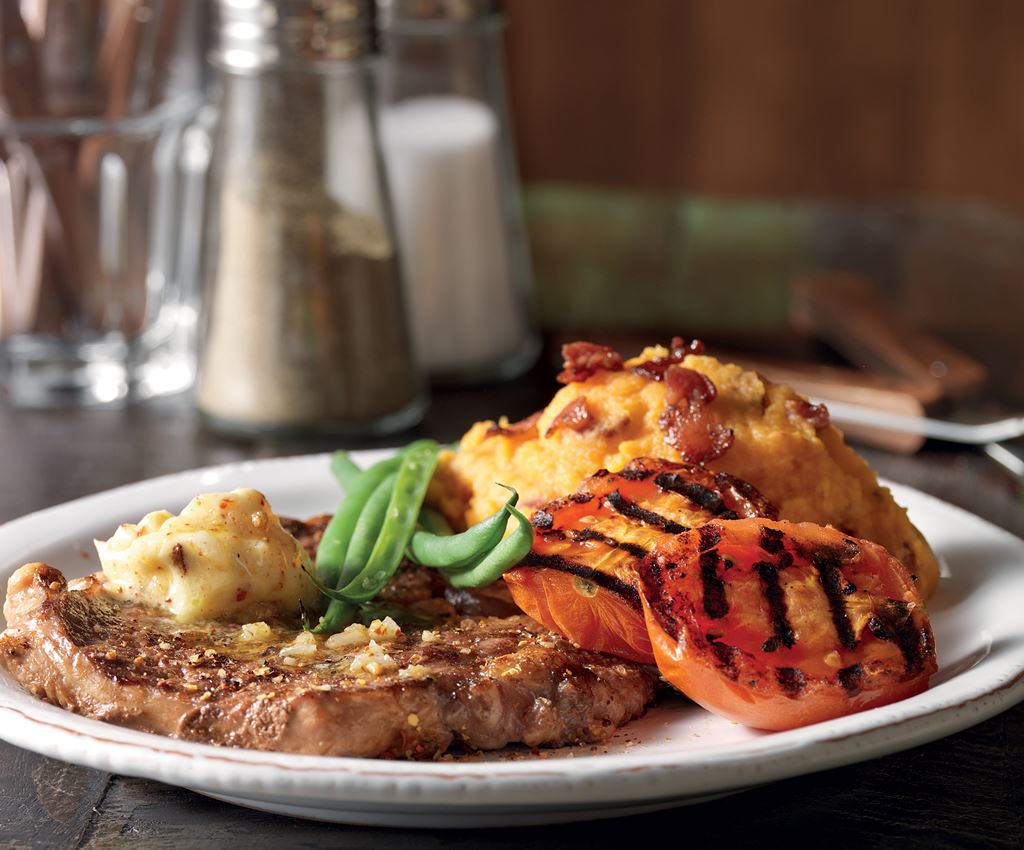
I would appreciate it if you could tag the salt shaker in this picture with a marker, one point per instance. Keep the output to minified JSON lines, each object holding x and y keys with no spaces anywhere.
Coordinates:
{"x":451,"y":168}
{"x":306,"y":328}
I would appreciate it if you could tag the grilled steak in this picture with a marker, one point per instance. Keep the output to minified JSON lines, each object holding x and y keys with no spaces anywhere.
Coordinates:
{"x":581,"y":576}
{"x":479,"y":683}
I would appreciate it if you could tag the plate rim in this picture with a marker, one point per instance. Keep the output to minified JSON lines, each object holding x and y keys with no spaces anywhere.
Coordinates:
{"x":593,"y":779}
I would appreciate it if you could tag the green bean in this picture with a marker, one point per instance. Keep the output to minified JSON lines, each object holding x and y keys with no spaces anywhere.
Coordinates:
{"x":368,"y":527}
{"x":504,"y":556}
{"x":461,"y":550}
{"x":433,"y":522}
{"x":346,"y":470}
{"x":339,"y":614}
{"x":331,"y":552}
{"x":414,"y":474}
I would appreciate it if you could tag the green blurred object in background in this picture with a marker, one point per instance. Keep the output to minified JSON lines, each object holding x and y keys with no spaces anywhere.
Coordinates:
{"x":630,"y":261}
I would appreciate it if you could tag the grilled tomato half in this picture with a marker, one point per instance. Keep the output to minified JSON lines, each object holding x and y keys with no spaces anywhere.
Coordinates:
{"x":778,"y":624}
{"x":580,"y":578}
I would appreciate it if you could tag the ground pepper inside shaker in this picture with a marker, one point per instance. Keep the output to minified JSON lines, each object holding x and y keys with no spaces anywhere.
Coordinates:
{"x":305,"y":325}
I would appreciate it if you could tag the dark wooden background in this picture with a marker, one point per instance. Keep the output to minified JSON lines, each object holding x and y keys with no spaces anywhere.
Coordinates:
{"x":847,"y":99}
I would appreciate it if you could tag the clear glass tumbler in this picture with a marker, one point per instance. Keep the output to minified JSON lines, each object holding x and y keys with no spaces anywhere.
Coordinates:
{"x":98,"y":174}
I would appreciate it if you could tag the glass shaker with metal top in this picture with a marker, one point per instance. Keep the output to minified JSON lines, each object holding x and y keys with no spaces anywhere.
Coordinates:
{"x":451,"y":167}
{"x":304,"y":313}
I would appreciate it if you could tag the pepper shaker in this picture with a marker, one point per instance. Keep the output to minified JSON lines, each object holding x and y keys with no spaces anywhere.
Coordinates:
{"x":451,"y":166}
{"x":306,"y":328}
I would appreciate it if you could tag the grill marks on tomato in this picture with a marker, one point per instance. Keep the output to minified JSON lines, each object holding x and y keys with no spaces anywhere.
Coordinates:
{"x":601,"y":579}
{"x":603,"y":532}
{"x":831,"y":580}
{"x":725,"y":656}
{"x":584,"y":535}
{"x":852,"y":679}
{"x":771,"y":587}
{"x":895,"y":624}
{"x":724,"y":597}
{"x":791,"y":679}
{"x":631,"y":510}
{"x":701,"y":496}
{"x":716,"y":606}
{"x":772,"y":540}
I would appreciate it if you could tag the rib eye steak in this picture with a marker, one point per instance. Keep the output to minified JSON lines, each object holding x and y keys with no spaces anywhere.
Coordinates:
{"x":479,"y":682}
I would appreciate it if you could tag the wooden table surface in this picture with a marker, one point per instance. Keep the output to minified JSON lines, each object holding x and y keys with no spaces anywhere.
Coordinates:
{"x":964,"y":791}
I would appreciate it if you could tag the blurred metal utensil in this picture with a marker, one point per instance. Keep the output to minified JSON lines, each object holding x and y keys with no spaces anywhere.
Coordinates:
{"x":995,"y":431}
{"x":1007,"y":458}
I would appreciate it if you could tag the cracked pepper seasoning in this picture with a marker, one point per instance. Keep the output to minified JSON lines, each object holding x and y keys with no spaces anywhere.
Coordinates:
{"x":305,"y":325}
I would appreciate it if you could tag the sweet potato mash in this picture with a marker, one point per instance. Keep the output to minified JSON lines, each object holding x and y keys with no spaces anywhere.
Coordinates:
{"x":678,"y":404}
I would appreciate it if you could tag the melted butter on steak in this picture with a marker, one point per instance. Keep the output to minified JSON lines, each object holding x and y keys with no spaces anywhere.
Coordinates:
{"x":222,"y":554}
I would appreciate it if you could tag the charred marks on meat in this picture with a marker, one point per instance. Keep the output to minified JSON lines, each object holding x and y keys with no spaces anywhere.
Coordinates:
{"x":295,"y":687}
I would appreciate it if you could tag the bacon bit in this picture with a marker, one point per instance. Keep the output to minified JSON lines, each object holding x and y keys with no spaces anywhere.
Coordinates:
{"x":584,"y":359}
{"x":504,"y":428}
{"x":816,"y":414}
{"x":178,"y":558}
{"x":656,"y":367}
{"x":575,"y":416}
{"x":685,"y":422}
{"x":686,"y":385}
{"x":766,"y":385}
{"x":241,"y":594}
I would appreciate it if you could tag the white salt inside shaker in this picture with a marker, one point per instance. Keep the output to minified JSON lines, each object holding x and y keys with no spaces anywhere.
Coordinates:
{"x":442,"y":162}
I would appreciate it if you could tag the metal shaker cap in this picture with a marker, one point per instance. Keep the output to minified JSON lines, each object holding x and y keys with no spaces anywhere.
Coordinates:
{"x":253,"y":34}
{"x":399,"y":13}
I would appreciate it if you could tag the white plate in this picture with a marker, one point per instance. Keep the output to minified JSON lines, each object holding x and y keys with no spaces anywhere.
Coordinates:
{"x":675,"y":755}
